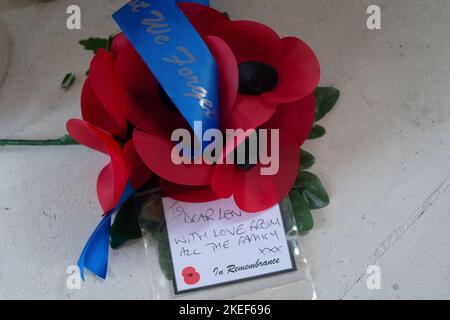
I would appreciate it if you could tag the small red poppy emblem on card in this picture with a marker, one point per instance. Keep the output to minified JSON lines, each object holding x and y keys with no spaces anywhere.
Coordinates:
{"x":191,"y":276}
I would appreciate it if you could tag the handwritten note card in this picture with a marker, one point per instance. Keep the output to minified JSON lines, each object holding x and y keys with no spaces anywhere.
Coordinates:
{"x":216,"y":243}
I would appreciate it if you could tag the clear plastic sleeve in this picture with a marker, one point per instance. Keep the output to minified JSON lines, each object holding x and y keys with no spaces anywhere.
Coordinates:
{"x":151,"y":219}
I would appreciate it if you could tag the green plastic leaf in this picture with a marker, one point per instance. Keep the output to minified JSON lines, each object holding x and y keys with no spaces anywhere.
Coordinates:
{"x":165,"y":259}
{"x":317,"y":132}
{"x":302,"y":213}
{"x":307,"y":160}
{"x":126,"y":225}
{"x":312,"y":190}
{"x":326,"y":99}
{"x":93,"y":44}
{"x":68,"y":81}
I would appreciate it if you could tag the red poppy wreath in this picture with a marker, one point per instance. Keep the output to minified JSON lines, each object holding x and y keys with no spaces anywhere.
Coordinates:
{"x":130,"y":110}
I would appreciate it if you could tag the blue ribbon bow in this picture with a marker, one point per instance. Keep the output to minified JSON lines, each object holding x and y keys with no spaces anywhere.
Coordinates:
{"x":182,"y":63}
{"x":96,"y":251}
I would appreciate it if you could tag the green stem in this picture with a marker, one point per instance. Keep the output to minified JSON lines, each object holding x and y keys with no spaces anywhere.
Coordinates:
{"x":62,"y":141}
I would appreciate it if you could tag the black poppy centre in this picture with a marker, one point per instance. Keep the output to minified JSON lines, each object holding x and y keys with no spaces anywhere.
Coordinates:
{"x":251,"y":156}
{"x":256,"y":78}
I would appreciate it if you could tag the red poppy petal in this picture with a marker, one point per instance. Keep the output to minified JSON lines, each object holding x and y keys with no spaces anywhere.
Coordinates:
{"x":114,"y":177}
{"x":85,"y":134}
{"x":295,"y":119}
{"x":254,"y":192}
{"x":299,"y":72}
{"x":118,"y":43}
{"x":93,"y":111}
{"x":148,"y":113}
{"x":228,"y":75}
{"x":250,"y":112}
{"x":133,"y":73}
{"x":139,"y":173}
{"x":105,"y":188}
{"x":106,"y":87}
{"x":156,"y":150}
{"x":222,"y":181}
{"x":286,"y":120}
{"x":201,"y":17}
{"x":306,"y":113}
{"x":112,"y":182}
{"x":187,"y":193}
{"x":249,"y":41}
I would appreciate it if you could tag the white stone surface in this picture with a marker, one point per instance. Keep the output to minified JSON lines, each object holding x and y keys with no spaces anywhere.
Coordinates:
{"x":385,"y":159}
{"x":4,"y":51}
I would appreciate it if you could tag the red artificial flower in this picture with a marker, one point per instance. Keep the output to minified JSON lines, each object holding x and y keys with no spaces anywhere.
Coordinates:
{"x":101,"y":98}
{"x":271,"y":70}
{"x":255,"y":192}
{"x":252,"y":191}
{"x":125,"y":165}
{"x":191,"y":276}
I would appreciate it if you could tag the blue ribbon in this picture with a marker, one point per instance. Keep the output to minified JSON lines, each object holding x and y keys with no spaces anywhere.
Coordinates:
{"x":96,"y":251}
{"x":167,"y":42}
{"x":203,"y":2}
{"x":177,"y":56}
